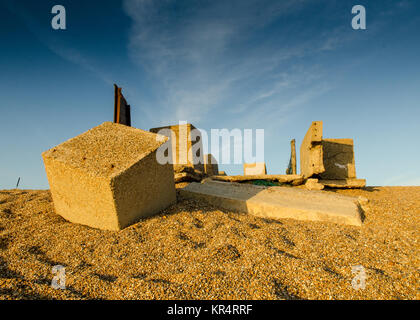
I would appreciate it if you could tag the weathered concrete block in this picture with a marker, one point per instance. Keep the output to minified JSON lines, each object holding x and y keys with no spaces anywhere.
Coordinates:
{"x":187,"y":147}
{"x":255,"y":168}
{"x":328,"y":159}
{"x":338,"y":159}
{"x":312,"y":184}
{"x":311,"y":155}
{"x":211,"y":167}
{"x":278,"y":202}
{"x":108,"y":177}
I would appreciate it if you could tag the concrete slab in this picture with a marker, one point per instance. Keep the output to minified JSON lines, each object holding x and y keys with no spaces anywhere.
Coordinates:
{"x":344,"y":183}
{"x":295,"y":179}
{"x":108,"y":177}
{"x":311,"y":155}
{"x":278,"y":202}
{"x":254,"y":168}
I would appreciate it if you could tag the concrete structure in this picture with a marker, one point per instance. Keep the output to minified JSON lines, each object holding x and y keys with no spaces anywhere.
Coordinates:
{"x":311,"y":155}
{"x":108,"y":177}
{"x":291,"y":169}
{"x":328,"y":159}
{"x":186,"y":145}
{"x":255,"y":168}
{"x":338,"y":159}
{"x":278,"y":202}
{"x":313,"y":184}
{"x":344,"y":183}
{"x":211,"y":167}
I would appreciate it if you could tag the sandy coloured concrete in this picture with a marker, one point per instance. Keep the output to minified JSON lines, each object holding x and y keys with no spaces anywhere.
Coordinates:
{"x":108,"y":177}
{"x":344,"y":183}
{"x":338,"y":159}
{"x":257,"y":168}
{"x":186,"y":145}
{"x":278,"y":202}
{"x":313,"y":184}
{"x":211,"y":168}
{"x":311,"y":152}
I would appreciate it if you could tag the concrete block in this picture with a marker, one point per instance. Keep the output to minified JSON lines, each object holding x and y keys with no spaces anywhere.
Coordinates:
{"x":278,"y":202}
{"x":312,"y":184}
{"x":328,"y":159}
{"x":338,"y":159}
{"x":311,"y":155}
{"x":108,"y":177}
{"x":187,"y":147}
{"x":211,"y":167}
{"x":255,"y":168}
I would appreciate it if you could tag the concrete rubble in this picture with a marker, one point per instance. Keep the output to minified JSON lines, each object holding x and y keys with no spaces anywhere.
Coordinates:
{"x":313,"y":184}
{"x":186,"y":146}
{"x":109,"y":177}
{"x":329,"y":160}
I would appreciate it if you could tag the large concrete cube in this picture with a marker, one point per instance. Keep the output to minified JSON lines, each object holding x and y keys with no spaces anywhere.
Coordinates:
{"x":108,"y":177}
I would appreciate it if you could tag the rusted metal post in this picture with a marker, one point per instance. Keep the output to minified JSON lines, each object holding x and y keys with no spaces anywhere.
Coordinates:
{"x":122,"y":112}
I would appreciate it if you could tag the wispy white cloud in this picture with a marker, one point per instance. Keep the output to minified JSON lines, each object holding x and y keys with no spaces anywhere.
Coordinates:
{"x":204,"y":58}
{"x":77,"y":58}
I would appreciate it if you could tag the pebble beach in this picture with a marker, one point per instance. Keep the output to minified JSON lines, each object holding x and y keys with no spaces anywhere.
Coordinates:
{"x":195,"y":251}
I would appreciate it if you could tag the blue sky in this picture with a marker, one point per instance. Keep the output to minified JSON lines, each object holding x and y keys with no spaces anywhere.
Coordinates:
{"x":272,"y":65}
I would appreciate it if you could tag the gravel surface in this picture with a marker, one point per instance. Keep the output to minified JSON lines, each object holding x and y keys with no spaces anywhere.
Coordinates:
{"x":195,"y":251}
